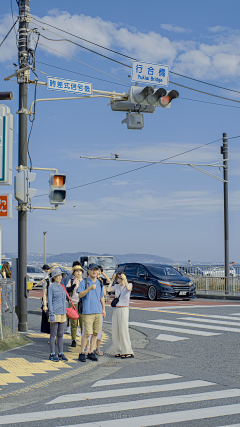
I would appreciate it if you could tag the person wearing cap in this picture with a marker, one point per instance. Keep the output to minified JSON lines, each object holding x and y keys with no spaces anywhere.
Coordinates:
{"x":93,"y":310}
{"x":57,"y":313}
{"x":72,"y":288}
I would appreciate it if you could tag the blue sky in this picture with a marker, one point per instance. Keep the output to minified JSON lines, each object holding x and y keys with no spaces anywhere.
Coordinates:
{"x":169,"y":210}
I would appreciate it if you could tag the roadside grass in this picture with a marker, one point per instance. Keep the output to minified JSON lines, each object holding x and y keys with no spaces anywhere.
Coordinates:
{"x":11,"y":340}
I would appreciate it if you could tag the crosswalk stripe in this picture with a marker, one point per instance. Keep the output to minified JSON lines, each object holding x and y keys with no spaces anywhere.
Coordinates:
{"x":196,"y":325}
{"x":166,"y":307}
{"x":118,"y":406}
{"x":129,"y":391}
{"x":172,"y":329}
{"x":221,"y":322}
{"x":171,"y":338}
{"x":235,"y":314}
{"x":157,"y":377}
{"x":215,"y":316}
{"x":168,"y":417}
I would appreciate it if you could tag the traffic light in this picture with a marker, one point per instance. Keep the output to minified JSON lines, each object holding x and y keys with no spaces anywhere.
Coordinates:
{"x":145,"y":100}
{"x":22,"y":190}
{"x":148,"y":97}
{"x":57,"y":189}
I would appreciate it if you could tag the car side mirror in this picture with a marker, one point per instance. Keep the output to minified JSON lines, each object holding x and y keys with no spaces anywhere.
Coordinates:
{"x":148,"y":278}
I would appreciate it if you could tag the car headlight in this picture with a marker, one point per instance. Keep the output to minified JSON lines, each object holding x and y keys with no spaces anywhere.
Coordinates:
{"x":164,"y":283}
{"x":190,"y":283}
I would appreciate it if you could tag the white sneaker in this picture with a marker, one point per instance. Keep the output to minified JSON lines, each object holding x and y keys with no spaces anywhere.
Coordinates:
{"x":68,"y":331}
{"x":78,"y":332}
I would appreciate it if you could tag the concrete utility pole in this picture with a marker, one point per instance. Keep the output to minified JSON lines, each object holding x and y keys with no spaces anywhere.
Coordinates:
{"x":44,"y":248}
{"x":224,"y":151}
{"x":23,"y":61}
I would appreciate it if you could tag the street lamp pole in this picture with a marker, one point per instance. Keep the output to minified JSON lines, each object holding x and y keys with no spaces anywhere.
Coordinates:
{"x":44,"y":234}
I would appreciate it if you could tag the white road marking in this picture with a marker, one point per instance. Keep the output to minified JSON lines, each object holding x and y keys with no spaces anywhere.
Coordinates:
{"x":215,"y":316}
{"x":157,"y":377}
{"x":168,"y":417}
{"x":196,"y":325}
{"x":171,"y":338}
{"x":129,"y":391}
{"x":121,"y":406}
{"x":235,"y":314}
{"x":171,"y":329}
{"x":195,"y":306}
{"x":201,"y":319}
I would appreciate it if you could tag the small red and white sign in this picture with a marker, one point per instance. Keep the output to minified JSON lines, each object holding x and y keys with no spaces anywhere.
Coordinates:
{"x":6,"y":206}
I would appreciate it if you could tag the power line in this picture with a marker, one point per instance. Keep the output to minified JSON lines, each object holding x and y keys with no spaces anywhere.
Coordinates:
{"x":74,"y":59}
{"x":80,"y":74}
{"x":127,"y":56}
{"x":141,"y":167}
{"x":9,"y":32}
{"x":174,"y":83}
{"x":207,"y":102}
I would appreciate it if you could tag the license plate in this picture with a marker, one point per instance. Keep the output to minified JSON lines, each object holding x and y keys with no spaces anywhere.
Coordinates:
{"x":183,"y":293}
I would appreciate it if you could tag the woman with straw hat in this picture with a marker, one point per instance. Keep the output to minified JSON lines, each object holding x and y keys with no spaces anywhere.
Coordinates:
{"x":72,"y":288}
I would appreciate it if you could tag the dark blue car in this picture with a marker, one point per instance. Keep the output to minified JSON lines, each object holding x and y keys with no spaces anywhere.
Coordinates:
{"x":157,"y":281}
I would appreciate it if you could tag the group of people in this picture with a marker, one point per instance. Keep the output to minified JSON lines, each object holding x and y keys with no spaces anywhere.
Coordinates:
{"x":88,"y":297}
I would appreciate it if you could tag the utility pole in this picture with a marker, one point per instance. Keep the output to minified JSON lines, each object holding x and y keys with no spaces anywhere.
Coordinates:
{"x":23,"y":61}
{"x":44,"y":248}
{"x":224,"y":151}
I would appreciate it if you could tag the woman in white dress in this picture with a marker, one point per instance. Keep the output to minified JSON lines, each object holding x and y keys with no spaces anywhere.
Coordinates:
{"x":120,"y":329}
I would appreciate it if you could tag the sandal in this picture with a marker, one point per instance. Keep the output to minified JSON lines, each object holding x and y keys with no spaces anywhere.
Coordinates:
{"x":117,"y":355}
{"x":127,"y":356}
{"x":98,"y":351}
{"x":87,"y":350}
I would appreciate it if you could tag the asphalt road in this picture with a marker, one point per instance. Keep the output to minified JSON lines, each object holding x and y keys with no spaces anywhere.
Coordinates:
{"x":185,"y":372}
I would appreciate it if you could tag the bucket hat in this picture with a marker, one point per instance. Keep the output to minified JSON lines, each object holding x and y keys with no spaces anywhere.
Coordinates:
{"x":56,"y":271}
{"x":78,"y":267}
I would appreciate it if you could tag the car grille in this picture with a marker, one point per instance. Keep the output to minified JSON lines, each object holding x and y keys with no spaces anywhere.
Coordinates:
{"x":178,"y":287}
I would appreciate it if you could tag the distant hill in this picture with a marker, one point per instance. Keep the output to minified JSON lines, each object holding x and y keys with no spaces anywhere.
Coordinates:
{"x":144,"y":258}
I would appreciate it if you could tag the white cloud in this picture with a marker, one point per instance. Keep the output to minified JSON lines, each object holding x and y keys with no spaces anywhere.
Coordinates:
{"x":175,"y":28}
{"x":217,"y":59}
{"x":216,"y":29}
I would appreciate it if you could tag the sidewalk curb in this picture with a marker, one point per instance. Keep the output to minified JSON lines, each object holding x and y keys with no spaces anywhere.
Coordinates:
{"x":217,"y":296}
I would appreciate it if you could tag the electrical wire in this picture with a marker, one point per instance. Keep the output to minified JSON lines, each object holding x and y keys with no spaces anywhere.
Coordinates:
{"x":9,"y":32}
{"x":141,"y":167}
{"x":174,"y":83}
{"x":110,"y":75}
{"x":80,"y":74}
{"x":13,"y":22}
{"x":211,"y":103}
{"x":127,"y":56}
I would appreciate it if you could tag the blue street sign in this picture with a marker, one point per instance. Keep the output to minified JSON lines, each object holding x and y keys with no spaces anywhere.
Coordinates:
{"x":145,"y":72}
{"x":54,"y":83}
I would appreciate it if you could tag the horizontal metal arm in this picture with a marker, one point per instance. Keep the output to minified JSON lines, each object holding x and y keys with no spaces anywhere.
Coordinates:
{"x":153,"y":161}
{"x":19,"y":168}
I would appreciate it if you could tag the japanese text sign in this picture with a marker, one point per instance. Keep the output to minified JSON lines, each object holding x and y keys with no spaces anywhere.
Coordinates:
{"x":144,"y":72}
{"x":53,"y":83}
{"x":5,"y":206}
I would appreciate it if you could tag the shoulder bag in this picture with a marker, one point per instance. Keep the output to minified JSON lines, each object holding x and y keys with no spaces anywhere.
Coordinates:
{"x":115,"y":300}
{"x":72,"y":313}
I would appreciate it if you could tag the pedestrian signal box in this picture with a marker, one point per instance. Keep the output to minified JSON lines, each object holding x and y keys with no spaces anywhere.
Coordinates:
{"x":57,"y":189}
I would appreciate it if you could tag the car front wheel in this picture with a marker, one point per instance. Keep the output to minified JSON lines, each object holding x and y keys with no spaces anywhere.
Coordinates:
{"x":152,"y":293}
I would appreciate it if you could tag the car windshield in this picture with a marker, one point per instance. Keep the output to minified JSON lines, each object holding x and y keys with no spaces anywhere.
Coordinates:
{"x":32,"y":269}
{"x":163,"y":271}
{"x":105,"y":262}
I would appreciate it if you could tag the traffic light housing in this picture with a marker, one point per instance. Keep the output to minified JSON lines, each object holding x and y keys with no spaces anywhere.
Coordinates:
{"x":57,"y":188}
{"x":147,"y":96}
{"x":22,"y":191}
